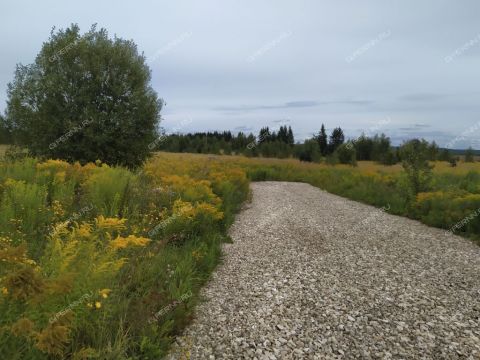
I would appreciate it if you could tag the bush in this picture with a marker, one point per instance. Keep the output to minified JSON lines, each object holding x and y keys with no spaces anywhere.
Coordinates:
{"x":309,"y":151}
{"x":346,"y":154}
{"x":414,"y":155}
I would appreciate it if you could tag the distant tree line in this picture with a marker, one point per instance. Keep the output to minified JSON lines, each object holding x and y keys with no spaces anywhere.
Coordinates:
{"x":333,"y":147}
{"x":268,"y":143}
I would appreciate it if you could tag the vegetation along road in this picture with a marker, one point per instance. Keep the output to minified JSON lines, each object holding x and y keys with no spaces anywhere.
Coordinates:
{"x":311,"y":275}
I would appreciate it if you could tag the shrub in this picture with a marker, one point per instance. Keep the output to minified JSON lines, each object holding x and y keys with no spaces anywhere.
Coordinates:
{"x":346,"y":154}
{"x":414,"y":155}
{"x":309,"y":151}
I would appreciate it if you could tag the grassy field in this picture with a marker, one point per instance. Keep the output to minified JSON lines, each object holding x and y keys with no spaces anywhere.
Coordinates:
{"x":102,"y":262}
{"x":452,"y":201}
{"x":3,"y":148}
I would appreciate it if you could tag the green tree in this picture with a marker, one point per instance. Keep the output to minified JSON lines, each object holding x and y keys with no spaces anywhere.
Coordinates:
{"x":308,"y":151}
{"x":433,"y":151}
{"x":469,"y":155}
{"x":322,"y":141}
{"x":364,"y":147}
{"x":290,"y":138}
{"x":346,"y":154}
{"x":283,"y":134}
{"x":85,"y":97}
{"x":337,"y":138}
{"x":445,"y":155}
{"x":414,"y":155}
{"x":5,"y":133}
{"x":381,"y":151}
{"x":264,"y":135}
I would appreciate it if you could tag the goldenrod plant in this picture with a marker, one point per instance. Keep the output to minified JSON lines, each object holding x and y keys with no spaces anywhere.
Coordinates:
{"x":91,"y":255}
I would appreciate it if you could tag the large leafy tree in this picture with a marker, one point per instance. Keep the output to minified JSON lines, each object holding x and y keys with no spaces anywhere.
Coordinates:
{"x":85,"y":97}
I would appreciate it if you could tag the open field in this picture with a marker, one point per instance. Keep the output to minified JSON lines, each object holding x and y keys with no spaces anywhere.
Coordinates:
{"x":105,"y":262}
{"x":452,"y":201}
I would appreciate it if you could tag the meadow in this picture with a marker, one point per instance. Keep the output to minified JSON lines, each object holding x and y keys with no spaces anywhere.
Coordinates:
{"x":103,"y":262}
{"x":3,"y":148}
{"x":452,"y":201}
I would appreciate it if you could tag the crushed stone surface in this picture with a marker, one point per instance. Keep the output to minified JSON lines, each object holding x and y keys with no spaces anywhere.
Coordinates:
{"x":311,"y":275}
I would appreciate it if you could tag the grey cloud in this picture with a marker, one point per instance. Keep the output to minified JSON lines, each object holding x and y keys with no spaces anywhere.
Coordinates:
{"x":244,"y":128}
{"x":291,"y":104}
{"x":304,"y":78}
{"x":422,"y":97}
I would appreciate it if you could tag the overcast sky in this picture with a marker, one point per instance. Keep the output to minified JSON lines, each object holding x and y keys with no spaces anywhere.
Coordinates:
{"x":405,"y":68}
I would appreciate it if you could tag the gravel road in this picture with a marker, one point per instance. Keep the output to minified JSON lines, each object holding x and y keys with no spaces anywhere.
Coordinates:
{"x":311,"y":275}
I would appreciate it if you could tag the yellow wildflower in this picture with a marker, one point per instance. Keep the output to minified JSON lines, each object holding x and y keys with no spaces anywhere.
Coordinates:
{"x":110,"y":224}
{"x":197,"y":255}
{"x":98,"y":304}
{"x":122,"y":242}
{"x":84,"y":230}
{"x":57,"y":208}
{"x":104,"y":293}
{"x":23,"y":327}
{"x":209,"y":210}
{"x":59,"y":177}
{"x":4,"y":291}
{"x":53,"y":165}
{"x":183,"y":209}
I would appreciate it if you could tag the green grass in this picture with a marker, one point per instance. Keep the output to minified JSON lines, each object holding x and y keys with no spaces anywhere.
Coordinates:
{"x":453,"y":194}
{"x":3,"y":148}
{"x":151,"y":286}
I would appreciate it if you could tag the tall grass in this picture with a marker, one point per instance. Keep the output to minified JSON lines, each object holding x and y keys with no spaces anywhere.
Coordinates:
{"x":101,"y":262}
{"x":450,"y":203}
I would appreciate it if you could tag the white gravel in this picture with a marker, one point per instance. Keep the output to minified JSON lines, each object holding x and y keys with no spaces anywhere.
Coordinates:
{"x":297,"y":284}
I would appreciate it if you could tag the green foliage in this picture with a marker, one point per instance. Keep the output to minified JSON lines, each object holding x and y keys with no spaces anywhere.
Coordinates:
{"x":308,"y":151}
{"x":414,"y":155}
{"x":337,"y":138}
{"x":88,"y":96}
{"x":445,"y":155}
{"x":452,"y":202}
{"x":279,"y":144}
{"x":346,"y":154}
{"x":322,"y":141}
{"x":73,"y":247}
{"x":469,"y":155}
{"x":107,"y":191}
{"x":433,"y":151}
{"x":5,"y":131}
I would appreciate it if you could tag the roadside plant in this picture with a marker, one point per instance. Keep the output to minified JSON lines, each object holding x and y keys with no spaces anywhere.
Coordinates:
{"x":414,"y":155}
